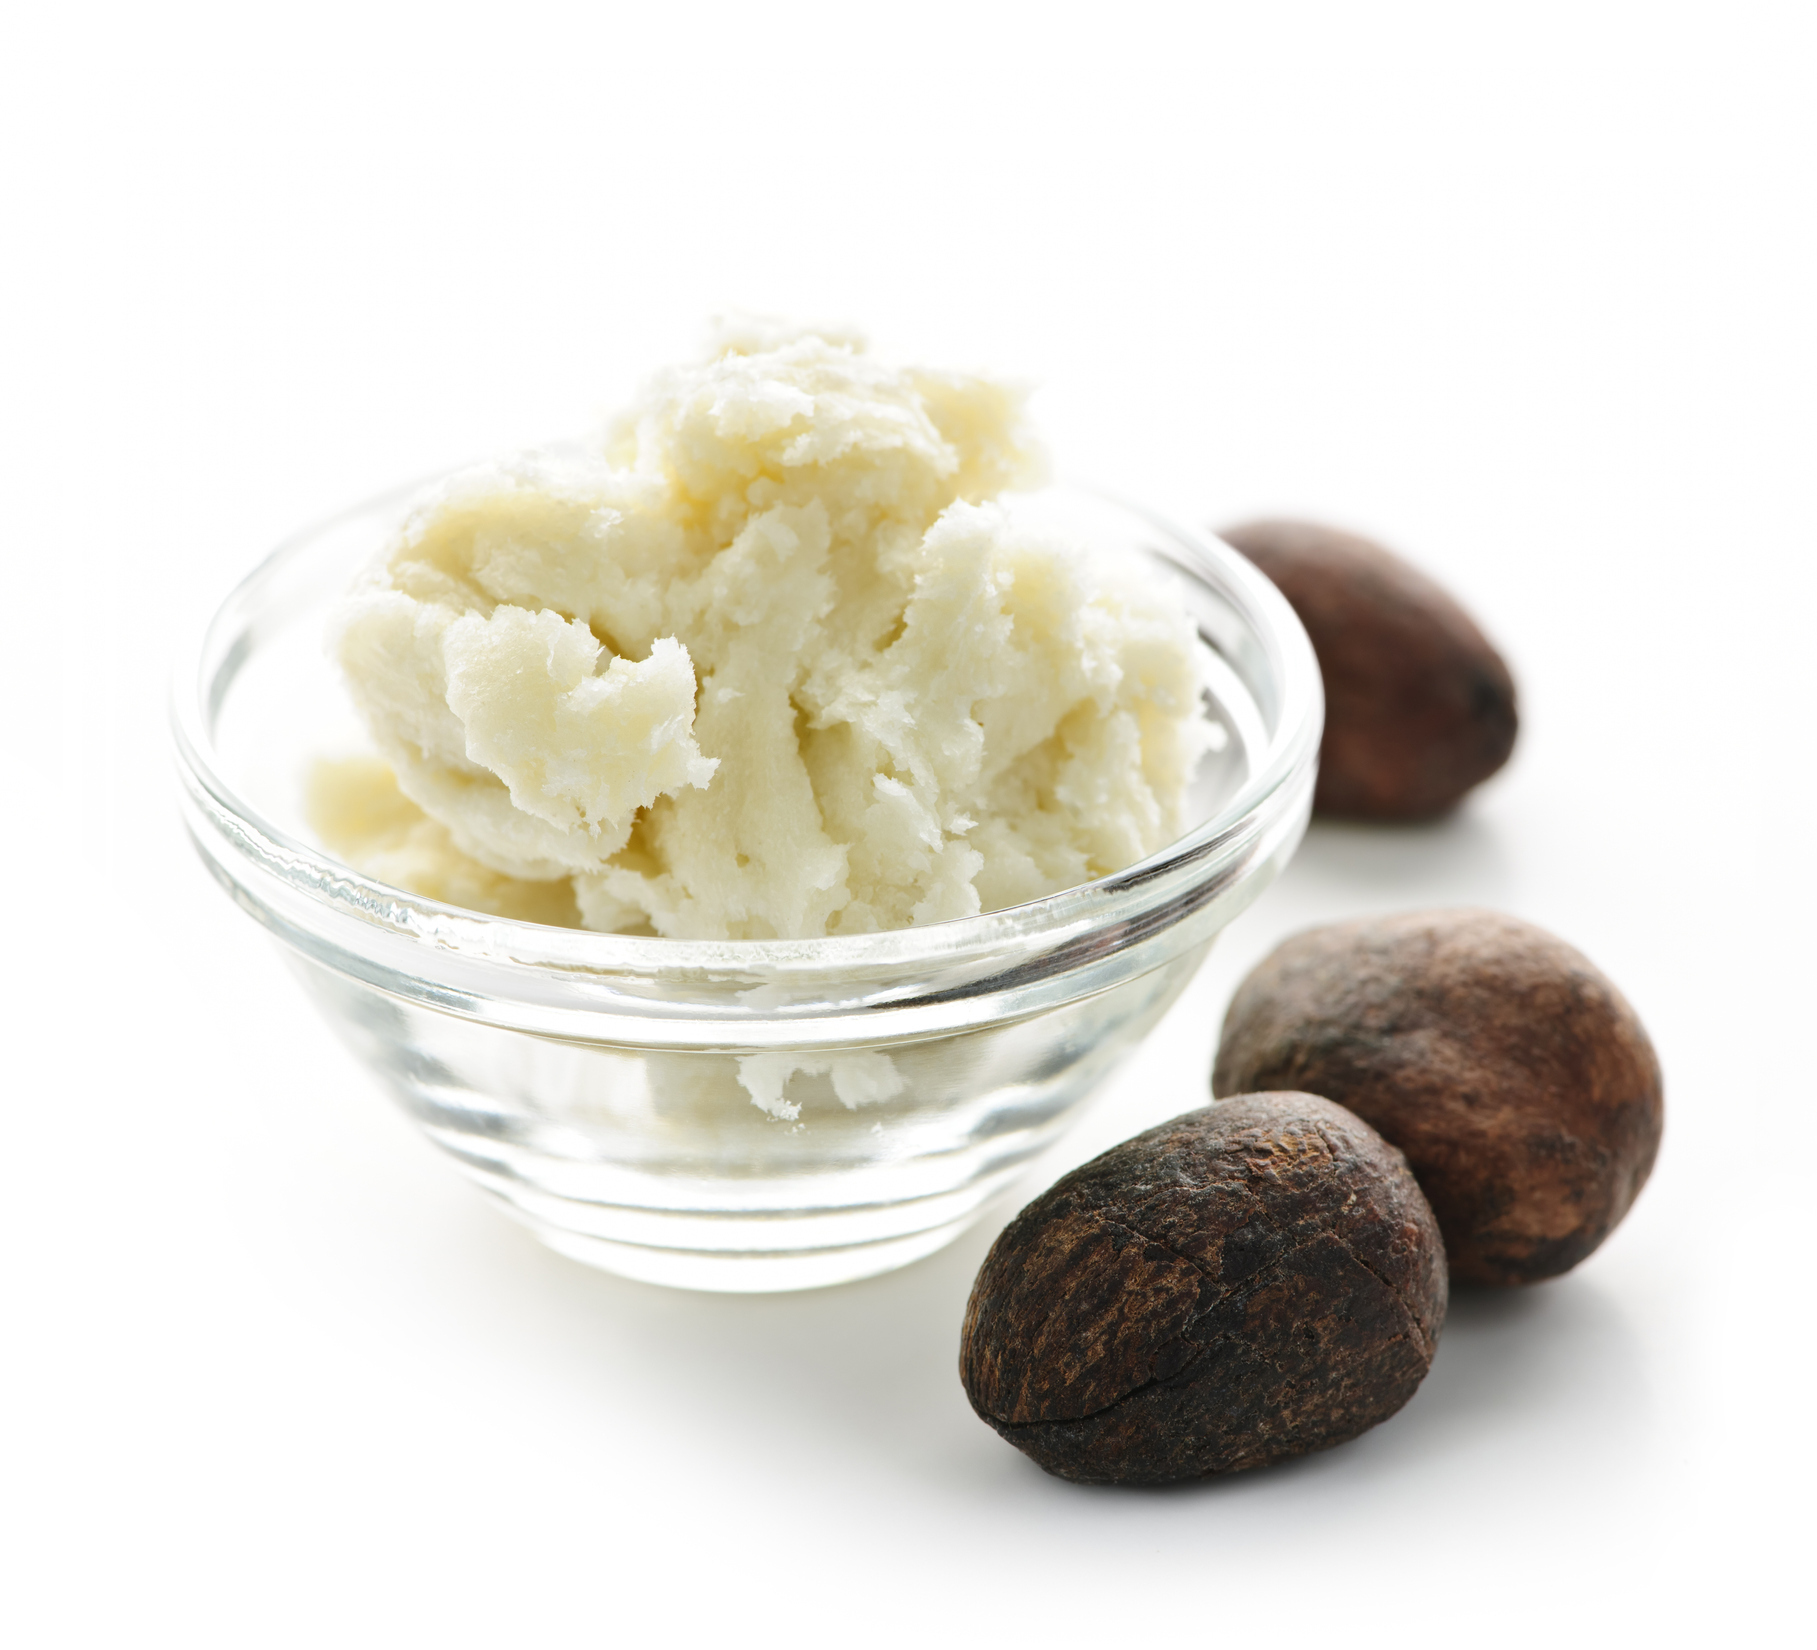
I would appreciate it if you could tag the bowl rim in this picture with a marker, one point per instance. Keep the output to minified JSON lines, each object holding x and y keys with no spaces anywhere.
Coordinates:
{"x":247,"y":834}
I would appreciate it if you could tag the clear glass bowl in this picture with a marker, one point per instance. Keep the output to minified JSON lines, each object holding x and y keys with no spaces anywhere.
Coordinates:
{"x":746,"y":1115}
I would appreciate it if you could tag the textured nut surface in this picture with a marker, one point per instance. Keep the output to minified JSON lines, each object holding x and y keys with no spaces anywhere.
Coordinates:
{"x":1418,"y":706}
{"x":1257,"y":1279}
{"x":1516,"y":1078}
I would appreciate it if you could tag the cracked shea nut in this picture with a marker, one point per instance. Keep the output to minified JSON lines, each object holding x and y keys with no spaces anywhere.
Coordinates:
{"x":1515,"y":1077}
{"x":1418,"y":706}
{"x":1254,"y":1280}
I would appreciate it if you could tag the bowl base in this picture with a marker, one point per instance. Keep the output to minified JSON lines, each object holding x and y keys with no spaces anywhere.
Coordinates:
{"x":746,"y":1273}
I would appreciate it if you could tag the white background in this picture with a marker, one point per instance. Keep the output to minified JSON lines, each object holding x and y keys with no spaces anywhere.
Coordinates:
{"x":1527,"y":291}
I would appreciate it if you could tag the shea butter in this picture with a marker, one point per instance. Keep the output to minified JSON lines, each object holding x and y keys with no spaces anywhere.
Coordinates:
{"x":772,"y":661}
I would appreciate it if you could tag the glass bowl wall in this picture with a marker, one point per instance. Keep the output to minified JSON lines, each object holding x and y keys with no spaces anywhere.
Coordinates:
{"x":745,"y":1115}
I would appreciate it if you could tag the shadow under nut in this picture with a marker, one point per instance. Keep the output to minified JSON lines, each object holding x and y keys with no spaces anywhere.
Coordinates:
{"x":1419,"y":707}
{"x":1254,"y":1280}
{"x":1520,"y":1084}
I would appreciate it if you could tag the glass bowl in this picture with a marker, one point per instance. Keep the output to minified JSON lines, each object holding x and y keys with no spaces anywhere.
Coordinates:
{"x":741,"y":1115}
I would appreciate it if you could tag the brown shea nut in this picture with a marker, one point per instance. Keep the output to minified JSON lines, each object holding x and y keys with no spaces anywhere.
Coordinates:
{"x":1256,"y":1279}
{"x":1515,"y":1077}
{"x":1418,"y":706}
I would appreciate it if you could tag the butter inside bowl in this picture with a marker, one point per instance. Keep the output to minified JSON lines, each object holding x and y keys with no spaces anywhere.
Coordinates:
{"x":745,"y":844}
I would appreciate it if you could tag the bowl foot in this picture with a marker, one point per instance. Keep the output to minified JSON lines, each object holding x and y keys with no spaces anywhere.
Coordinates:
{"x":746,"y":1273}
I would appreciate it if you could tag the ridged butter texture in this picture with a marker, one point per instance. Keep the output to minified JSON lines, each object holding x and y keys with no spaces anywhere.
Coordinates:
{"x":769,"y":663}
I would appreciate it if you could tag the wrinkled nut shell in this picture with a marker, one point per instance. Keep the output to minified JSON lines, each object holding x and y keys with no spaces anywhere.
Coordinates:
{"x":1418,"y":706}
{"x":1257,"y":1279}
{"x":1516,"y":1078}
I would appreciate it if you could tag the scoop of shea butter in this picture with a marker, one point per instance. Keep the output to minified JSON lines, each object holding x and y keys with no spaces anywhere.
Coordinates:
{"x":773,"y":664}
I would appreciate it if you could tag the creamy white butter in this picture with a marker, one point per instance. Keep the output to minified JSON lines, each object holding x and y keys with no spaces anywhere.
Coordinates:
{"x":770,"y":664}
